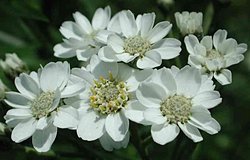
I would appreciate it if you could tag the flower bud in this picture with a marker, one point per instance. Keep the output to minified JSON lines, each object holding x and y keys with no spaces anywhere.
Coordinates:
{"x":13,"y":65}
{"x":189,"y":23}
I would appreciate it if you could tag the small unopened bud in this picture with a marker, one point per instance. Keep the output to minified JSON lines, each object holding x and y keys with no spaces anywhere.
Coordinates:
{"x":13,"y":65}
{"x":189,"y":22}
{"x":3,"y":127}
{"x":3,"y":89}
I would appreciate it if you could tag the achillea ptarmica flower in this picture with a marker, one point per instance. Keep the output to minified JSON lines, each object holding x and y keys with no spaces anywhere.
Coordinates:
{"x":213,"y":55}
{"x":38,"y":108}
{"x":82,"y":38}
{"x":105,"y":105}
{"x":178,"y":99}
{"x":189,"y":22}
{"x":139,"y":41}
{"x":13,"y":65}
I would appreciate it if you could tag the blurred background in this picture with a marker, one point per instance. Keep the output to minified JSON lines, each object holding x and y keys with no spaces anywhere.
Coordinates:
{"x":30,"y":28}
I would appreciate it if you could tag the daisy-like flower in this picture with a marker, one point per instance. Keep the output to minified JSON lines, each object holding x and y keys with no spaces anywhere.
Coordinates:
{"x":189,"y":23}
{"x":178,"y":99}
{"x":104,"y":106}
{"x":138,"y":40}
{"x":38,"y":109}
{"x":213,"y":55}
{"x":82,"y":38}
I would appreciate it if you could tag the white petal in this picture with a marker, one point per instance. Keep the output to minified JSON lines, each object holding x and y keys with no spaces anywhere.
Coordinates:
{"x":150,"y":60}
{"x":42,"y":123}
{"x":147,"y":22}
{"x":86,"y":54}
{"x":208,"y":99}
{"x":86,"y":76}
{"x":219,"y":37}
{"x":102,"y":69}
{"x":43,"y":139}
{"x":101,"y":18}
{"x":191,"y":132}
{"x":154,"y":116}
{"x":73,"y":90}
{"x":27,"y":86}
{"x":17,"y":100}
{"x":114,"y":24}
{"x":207,"y":41}
{"x":124,"y":72}
{"x":63,"y":50}
{"x":107,"y":54}
{"x":117,"y":126}
{"x":91,"y":126}
{"x":191,"y":41}
{"x":116,"y":43}
{"x":188,"y":81}
{"x":233,"y":59}
{"x":150,"y":94}
{"x":66,"y":117}
{"x":168,"y":48}
{"x":164,"y":133}
{"x":224,"y":77}
{"x":109,"y":144}
{"x":54,"y":75}
{"x":134,"y":112}
{"x":23,"y":130}
{"x":18,"y":114}
{"x":128,"y":24}
{"x":70,"y":30}
{"x":83,"y":22}
{"x":102,"y":36}
{"x":159,"y":31}
{"x":228,"y":46}
{"x":126,"y":57}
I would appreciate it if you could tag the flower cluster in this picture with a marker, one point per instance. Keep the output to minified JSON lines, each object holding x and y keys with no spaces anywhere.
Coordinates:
{"x":124,"y":80}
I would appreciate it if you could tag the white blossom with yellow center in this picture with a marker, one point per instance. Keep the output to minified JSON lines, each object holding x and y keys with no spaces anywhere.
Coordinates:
{"x":105,"y":105}
{"x":213,"y":55}
{"x":138,"y":40}
{"x":178,"y":99}
{"x":38,"y":110}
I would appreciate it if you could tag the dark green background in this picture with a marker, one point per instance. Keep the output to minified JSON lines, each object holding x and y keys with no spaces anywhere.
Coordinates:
{"x":30,"y":29}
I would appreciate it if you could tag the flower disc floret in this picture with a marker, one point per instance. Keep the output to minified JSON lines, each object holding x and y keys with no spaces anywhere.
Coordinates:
{"x":40,"y":107}
{"x":176,"y":108}
{"x":136,"y":44}
{"x":213,"y":54}
{"x":108,"y":95}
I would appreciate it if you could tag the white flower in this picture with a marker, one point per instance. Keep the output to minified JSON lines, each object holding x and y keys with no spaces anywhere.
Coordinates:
{"x":105,"y":104}
{"x":13,"y":65}
{"x":178,"y":99}
{"x":82,"y":38}
{"x":139,"y":40}
{"x":189,"y":23}
{"x":38,"y":109}
{"x":214,"y":55}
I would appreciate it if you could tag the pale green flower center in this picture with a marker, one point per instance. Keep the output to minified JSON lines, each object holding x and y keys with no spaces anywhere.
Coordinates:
{"x":41,"y":106}
{"x":213,"y":54}
{"x":136,"y":44}
{"x":176,"y":109}
{"x":108,"y":95}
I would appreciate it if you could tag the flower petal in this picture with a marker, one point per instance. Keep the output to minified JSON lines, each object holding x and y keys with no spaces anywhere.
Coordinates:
{"x":66,"y":117}
{"x":43,"y":139}
{"x":150,"y":94}
{"x":224,"y":77}
{"x":147,"y":22}
{"x":23,"y":130}
{"x":117,"y":126}
{"x":83,"y":22}
{"x":164,"y":133}
{"x":207,"y":42}
{"x":191,"y":41}
{"x":208,"y":99}
{"x":101,"y":18}
{"x":86,"y":54}
{"x":116,"y":43}
{"x":54,"y":75}
{"x":191,"y":132}
{"x":17,"y":100}
{"x":91,"y":126}
{"x":219,"y":37}
{"x":150,"y":60}
{"x":159,"y":31}
{"x":134,"y":112}
{"x":154,"y":116}
{"x":107,"y":54}
{"x":128,"y":24}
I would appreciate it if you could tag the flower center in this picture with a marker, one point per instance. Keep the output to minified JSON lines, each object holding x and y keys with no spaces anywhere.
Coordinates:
{"x":40,"y":107}
{"x":176,"y":109}
{"x":136,"y":44}
{"x":108,"y":95}
{"x":213,"y":54}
